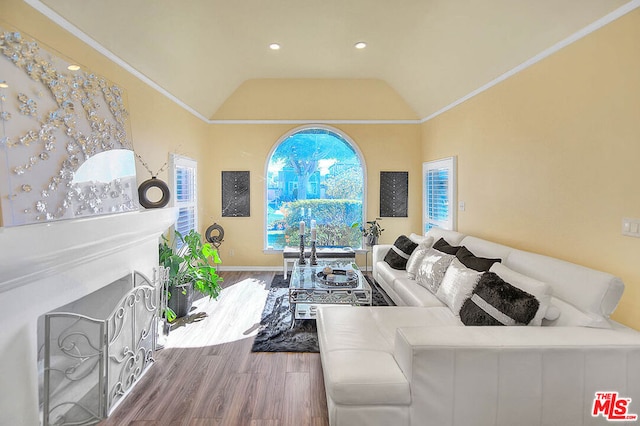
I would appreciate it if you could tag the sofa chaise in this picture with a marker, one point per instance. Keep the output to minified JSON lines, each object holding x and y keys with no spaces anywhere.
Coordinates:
{"x":419,"y":364}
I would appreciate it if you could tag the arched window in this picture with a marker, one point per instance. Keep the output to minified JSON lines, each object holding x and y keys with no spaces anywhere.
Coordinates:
{"x":314,"y":174}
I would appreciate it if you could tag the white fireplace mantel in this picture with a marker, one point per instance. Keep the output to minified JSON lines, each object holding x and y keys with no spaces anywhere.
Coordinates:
{"x":45,"y":266}
{"x":32,"y":250}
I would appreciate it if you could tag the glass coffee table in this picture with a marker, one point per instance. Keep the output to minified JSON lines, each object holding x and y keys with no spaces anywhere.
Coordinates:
{"x":311,"y":286}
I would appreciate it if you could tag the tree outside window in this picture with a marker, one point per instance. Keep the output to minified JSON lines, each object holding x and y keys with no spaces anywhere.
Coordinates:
{"x":314,"y":174}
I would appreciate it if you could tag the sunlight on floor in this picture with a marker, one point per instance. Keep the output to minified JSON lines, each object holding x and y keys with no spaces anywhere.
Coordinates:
{"x":234,"y":315}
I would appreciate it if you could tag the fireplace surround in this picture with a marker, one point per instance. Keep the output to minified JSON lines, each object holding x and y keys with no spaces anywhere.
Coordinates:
{"x":45,"y":266}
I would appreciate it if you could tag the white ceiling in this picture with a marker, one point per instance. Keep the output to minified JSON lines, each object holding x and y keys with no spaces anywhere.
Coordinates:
{"x":432,"y":52}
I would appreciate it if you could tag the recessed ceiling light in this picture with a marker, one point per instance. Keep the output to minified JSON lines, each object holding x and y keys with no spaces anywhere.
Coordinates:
{"x":274,"y":46}
{"x":3,"y":84}
{"x":360,"y":45}
{"x":73,"y":67}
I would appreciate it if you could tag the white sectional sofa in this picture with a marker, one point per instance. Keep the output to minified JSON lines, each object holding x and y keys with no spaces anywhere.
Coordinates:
{"x":418,"y":364}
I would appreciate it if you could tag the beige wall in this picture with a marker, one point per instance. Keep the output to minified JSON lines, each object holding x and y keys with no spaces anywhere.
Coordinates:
{"x":315,"y":99}
{"x":247,"y":147}
{"x":235,"y":147}
{"x":548,"y":159}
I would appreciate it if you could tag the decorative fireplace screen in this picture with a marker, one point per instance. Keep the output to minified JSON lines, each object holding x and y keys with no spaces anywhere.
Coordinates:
{"x":96,"y":349}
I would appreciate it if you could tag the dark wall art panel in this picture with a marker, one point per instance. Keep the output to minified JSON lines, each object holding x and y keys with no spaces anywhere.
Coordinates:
{"x":235,"y":194}
{"x":394,"y":193}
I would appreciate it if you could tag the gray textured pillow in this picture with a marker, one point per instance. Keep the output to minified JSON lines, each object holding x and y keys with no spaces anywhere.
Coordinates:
{"x":416,"y":257}
{"x":432,"y":269}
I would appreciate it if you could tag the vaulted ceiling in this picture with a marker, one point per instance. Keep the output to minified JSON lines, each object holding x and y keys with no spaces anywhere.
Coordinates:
{"x":431,"y":52}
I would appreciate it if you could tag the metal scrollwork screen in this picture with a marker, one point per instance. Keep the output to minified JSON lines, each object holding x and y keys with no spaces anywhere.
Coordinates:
{"x":73,"y":362}
{"x":91,"y":363}
{"x":131,"y":334}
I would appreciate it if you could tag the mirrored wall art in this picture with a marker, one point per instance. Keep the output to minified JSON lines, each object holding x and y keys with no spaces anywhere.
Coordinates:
{"x":394,"y":194}
{"x":236,"y":201}
{"x":64,"y":146}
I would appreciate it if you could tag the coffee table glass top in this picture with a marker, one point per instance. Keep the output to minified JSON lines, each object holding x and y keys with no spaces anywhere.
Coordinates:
{"x":310,"y":286}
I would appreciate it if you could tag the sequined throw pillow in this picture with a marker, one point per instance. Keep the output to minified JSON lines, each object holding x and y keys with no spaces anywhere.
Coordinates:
{"x":416,"y":258}
{"x":432,"y":269}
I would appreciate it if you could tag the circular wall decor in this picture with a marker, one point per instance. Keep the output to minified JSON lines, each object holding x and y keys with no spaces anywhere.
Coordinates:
{"x":216,"y":239}
{"x":153,"y":183}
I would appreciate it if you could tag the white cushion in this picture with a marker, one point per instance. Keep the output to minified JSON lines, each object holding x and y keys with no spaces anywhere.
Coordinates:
{"x":413,"y":294}
{"x":553,"y":312}
{"x":590,"y":291}
{"x":419,"y":239}
{"x":349,"y":327}
{"x":388,"y":274}
{"x":457,"y":285}
{"x":360,"y":377}
{"x":390,"y":318}
{"x":538,"y":289}
{"x":570,"y":316}
{"x":432,"y":269}
{"x":416,"y":257}
{"x":484,"y":248}
{"x":452,"y":237}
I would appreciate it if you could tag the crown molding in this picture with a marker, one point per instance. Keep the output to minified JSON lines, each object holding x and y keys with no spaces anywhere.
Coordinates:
{"x":302,"y":122}
{"x":58,"y":19}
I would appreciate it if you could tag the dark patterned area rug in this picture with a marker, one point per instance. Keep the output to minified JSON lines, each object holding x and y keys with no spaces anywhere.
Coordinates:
{"x":276,"y":334}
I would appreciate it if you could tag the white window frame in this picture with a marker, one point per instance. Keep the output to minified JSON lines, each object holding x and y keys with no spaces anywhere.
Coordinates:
{"x":178,"y":161}
{"x":450,"y":222}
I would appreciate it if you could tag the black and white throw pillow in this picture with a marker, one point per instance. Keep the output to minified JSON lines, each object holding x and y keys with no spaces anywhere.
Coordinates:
{"x":399,"y":254}
{"x":443,"y":246}
{"x":470,"y":260}
{"x":496,"y":302}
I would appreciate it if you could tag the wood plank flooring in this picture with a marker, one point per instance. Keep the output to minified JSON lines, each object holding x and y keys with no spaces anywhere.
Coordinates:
{"x":207,"y":375}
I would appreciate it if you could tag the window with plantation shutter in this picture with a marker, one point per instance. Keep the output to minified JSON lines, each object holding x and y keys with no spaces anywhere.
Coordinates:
{"x":438,"y":179}
{"x":184,"y":177}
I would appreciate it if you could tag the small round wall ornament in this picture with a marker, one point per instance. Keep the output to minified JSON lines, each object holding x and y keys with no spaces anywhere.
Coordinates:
{"x":215,"y":234}
{"x":153,"y":183}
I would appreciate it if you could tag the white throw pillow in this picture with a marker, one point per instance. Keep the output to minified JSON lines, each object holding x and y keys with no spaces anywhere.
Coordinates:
{"x":416,"y":257}
{"x":571,"y":316}
{"x":419,"y":239}
{"x":541,"y":291}
{"x":432,"y":269}
{"x":457,"y":285}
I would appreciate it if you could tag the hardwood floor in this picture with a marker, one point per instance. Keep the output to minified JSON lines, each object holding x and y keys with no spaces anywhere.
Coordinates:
{"x":207,"y":375}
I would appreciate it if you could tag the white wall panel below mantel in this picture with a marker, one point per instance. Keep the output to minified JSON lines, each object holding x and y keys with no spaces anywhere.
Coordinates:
{"x":45,"y":266}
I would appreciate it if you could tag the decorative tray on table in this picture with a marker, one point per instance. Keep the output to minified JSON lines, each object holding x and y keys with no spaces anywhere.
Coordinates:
{"x":338,"y":278}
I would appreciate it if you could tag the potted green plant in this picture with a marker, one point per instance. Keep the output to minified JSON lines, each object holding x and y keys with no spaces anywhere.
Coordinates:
{"x":191,"y":267}
{"x":371,"y":231}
